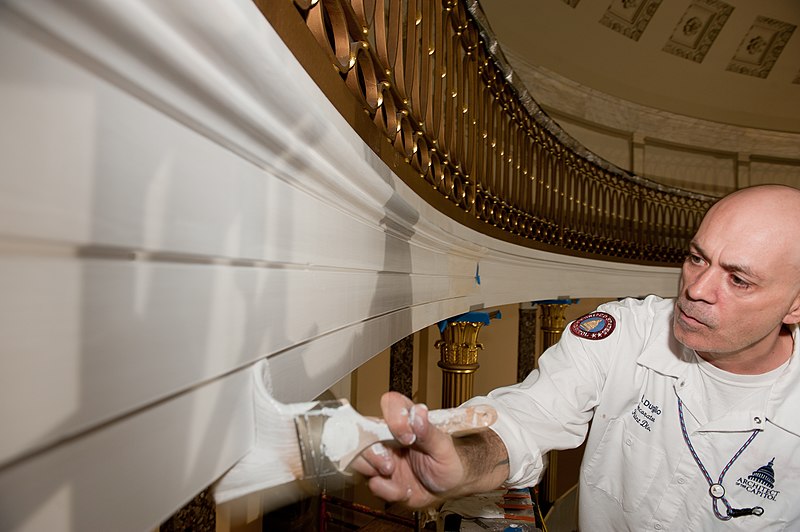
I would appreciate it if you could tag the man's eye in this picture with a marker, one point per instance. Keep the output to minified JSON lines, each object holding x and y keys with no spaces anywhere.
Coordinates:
{"x":738,"y":281}
{"x":695,"y":259}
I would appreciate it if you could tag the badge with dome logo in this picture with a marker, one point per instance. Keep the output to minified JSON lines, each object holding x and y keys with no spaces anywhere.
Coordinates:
{"x":761,"y":482}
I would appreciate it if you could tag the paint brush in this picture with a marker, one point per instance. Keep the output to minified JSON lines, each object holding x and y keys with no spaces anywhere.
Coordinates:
{"x":332,"y":434}
{"x":318,"y":439}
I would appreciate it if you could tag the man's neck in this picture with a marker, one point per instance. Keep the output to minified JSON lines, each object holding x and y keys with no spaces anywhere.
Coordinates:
{"x":751,"y":362}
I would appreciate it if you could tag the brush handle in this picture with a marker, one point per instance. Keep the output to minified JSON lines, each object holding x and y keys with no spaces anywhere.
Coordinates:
{"x":457,"y":422}
{"x":462,"y":421}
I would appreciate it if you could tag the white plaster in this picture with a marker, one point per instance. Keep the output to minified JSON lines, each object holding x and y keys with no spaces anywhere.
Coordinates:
{"x":562,"y":95}
{"x":340,"y":434}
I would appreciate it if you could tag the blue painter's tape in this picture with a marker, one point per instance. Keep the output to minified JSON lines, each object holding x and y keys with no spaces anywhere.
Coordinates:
{"x":474,"y":316}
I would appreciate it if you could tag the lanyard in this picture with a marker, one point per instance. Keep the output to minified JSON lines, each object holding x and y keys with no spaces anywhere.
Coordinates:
{"x":715,"y":489}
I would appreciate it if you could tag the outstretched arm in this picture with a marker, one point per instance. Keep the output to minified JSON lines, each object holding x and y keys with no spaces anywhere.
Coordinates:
{"x":429,"y":465}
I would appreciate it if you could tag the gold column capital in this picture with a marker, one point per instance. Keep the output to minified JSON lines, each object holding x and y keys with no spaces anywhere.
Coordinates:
{"x":459,"y":344}
{"x":458,"y":348}
{"x":554,"y":316}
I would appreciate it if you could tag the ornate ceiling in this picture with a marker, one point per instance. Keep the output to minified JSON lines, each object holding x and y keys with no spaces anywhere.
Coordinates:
{"x":732,"y":61}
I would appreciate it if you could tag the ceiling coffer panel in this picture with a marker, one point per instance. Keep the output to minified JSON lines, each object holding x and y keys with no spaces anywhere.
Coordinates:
{"x":630,"y":17}
{"x":761,"y":47}
{"x":697,"y":29}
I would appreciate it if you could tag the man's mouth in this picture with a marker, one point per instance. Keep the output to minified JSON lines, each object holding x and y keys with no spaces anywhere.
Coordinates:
{"x":689,"y":319}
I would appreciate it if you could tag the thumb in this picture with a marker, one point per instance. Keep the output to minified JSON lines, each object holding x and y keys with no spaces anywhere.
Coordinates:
{"x":428,"y":439}
{"x":410,"y":425}
{"x":397,"y":410}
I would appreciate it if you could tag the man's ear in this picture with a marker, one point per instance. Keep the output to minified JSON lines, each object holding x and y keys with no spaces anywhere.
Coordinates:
{"x":793,"y":315}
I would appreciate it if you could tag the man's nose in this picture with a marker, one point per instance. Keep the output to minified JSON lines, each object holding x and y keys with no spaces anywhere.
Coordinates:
{"x":703,"y":286}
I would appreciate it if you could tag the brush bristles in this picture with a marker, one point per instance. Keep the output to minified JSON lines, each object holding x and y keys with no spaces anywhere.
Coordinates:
{"x":275,"y":458}
{"x":275,"y":430}
{"x":275,"y":427}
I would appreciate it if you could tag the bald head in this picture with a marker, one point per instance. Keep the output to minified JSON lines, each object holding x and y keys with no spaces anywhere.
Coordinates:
{"x":765,"y":216}
{"x":763,"y":199}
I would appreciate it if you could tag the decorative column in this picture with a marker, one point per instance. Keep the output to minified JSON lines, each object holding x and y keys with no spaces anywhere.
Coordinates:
{"x":198,"y":514}
{"x":459,"y":354}
{"x":401,"y":366}
{"x":526,"y":351}
{"x":554,"y":320}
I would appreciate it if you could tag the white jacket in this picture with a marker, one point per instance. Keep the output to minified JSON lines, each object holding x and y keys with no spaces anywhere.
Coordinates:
{"x":638,"y":472}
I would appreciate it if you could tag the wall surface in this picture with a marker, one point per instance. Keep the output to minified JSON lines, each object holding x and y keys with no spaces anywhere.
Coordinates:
{"x":673,"y":149}
{"x":177,"y":202}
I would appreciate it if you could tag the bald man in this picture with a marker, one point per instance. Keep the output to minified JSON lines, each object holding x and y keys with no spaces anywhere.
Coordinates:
{"x":694,"y":402}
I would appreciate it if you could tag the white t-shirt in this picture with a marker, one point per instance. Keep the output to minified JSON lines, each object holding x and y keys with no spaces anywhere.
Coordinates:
{"x":725,"y":391}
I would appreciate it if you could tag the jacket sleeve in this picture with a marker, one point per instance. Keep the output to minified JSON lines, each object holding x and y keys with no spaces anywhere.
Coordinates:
{"x":552,"y":407}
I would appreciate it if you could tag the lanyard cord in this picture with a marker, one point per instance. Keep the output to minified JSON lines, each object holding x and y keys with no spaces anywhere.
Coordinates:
{"x":716,"y":490}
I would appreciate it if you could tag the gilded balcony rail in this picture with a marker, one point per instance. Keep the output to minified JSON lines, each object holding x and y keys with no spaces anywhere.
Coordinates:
{"x":436,"y":91}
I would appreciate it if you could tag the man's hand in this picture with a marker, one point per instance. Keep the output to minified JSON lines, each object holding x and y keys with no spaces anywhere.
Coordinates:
{"x":428,"y":465}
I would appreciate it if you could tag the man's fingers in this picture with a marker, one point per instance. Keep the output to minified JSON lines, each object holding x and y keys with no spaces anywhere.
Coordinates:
{"x":428,"y":462}
{"x":396,"y":409}
{"x":363,"y":466}
{"x":376,"y":460}
{"x":389,"y":490}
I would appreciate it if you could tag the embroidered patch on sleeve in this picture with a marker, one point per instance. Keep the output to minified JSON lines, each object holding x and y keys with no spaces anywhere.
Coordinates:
{"x":593,"y":326}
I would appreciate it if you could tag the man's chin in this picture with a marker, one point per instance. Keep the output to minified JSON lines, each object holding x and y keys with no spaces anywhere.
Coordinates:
{"x":686,"y":338}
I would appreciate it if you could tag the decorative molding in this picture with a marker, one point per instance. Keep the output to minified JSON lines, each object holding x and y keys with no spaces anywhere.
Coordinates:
{"x":630,"y":17}
{"x":761,"y":47}
{"x":698,"y":29}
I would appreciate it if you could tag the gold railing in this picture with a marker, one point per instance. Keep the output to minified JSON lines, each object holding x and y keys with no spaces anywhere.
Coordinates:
{"x":425,"y":85}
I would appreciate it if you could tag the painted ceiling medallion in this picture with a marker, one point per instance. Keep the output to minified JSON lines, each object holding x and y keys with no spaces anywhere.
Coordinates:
{"x":698,"y":28}
{"x":761,"y":47}
{"x":630,"y":17}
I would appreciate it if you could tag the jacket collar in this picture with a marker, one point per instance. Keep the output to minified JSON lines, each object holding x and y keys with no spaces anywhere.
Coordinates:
{"x":676,"y":361}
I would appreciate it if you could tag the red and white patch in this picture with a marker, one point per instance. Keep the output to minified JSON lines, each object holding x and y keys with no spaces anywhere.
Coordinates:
{"x":593,"y":326}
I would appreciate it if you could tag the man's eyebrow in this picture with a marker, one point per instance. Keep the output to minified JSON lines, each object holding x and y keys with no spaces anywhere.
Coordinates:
{"x":728,"y":266}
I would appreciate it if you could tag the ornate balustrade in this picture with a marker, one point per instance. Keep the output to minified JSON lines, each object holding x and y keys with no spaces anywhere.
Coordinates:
{"x":446,"y":115}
